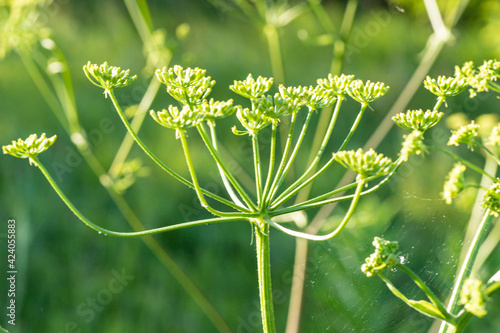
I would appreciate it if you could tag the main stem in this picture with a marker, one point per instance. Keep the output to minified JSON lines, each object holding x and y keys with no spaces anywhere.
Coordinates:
{"x":264,"y":272}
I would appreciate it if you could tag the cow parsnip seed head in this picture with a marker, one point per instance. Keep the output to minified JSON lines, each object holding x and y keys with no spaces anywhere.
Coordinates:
{"x":366,"y":92}
{"x":30,"y":147}
{"x":108,"y":77}
{"x":417,"y":119}
{"x":251,"y":88}
{"x":336,"y":84}
{"x":445,"y":86}
{"x":174,"y":118}
{"x":365,"y":164}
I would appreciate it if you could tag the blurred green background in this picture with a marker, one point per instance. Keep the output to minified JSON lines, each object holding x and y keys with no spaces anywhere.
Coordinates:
{"x":65,"y":268}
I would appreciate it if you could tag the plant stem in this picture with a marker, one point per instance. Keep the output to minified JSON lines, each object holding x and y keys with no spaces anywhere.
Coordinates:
{"x":197,"y":188}
{"x":264,"y":272}
{"x":319,"y":154}
{"x":124,"y":234}
{"x":467,"y":265}
{"x":157,"y":161}
{"x":464,"y":161}
{"x":272,"y":157}
{"x":215,"y":154}
{"x":257,"y":167}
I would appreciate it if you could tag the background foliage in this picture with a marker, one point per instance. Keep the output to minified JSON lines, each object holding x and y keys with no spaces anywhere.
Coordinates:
{"x":63,"y":265}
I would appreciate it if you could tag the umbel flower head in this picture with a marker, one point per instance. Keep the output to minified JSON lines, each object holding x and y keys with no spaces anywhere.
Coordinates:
{"x":465,"y":134}
{"x":491,"y":199}
{"x":251,"y":88}
{"x":412,"y":145}
{"x":177,"y":119}
{"x":454,"y":183}
{"x":188,"y":86}
{"x":212,"y":110}
{"x":252,"y":120}
{"x":29,"y":148}
{"x":417,"y":119}
{"x":445,"y":86}
{"x":336,"y":84}
{"x":368,"y":92}
{"x":386,"y":255}
{"x":480,"y":79}
{"x":365,"y":164}
{"x":108,"y":77}
{"x":473,"y":296}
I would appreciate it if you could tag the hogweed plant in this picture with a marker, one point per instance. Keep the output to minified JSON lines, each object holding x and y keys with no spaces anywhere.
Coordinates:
{"x":260,"y":206}
{"x":470,"y":294}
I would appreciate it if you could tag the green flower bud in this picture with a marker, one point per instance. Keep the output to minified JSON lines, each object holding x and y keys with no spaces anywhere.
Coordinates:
{"x":212,"y":110}
{"x":417,"y":119}
{"x":365,"y":164}
{"x":177,"y":119}
{"x":465,"y":134}
{"x":473,"y":296}
{"x":320,"y":98}
{"x":336,"y":84}
{"x":491,"y":199}
{"x":250,"y":88}
{"x":29,"y":148}
{"x":368,"y":92}
{"x":445,"y":86}
{"x":252,"y":120}
{"x":454,"y":182}
{"x":386,"y":255}
{"x":179,"y":77}
{"x":412,"y":145}
{"x":108,"y":77}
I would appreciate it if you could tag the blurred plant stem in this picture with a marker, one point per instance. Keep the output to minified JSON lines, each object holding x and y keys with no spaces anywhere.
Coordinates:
{"x":59,"y":95}
{"x":477,"y":230}
{"x":466,"y":268}
{"x":301,"y":245}
{"x":434,"y":46}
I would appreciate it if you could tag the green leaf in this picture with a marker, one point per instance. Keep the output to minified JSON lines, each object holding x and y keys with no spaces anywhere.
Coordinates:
{"x":427,"y":309}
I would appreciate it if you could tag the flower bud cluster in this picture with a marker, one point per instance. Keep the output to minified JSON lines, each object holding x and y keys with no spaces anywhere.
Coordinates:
{"x":417,"y":119}
{"x":368,"y":92}
{"x":386,"y":255}
{"x":365,"y":164}
{"x":108,"y":77}
{"x":465,"y":134}
{"x":29,"y":148}
{"x":491,"y":199}
{"x":473,"y":296}
{"x":454,"y":183}
{"x":445,"y":86}
{"x":479,"y":79}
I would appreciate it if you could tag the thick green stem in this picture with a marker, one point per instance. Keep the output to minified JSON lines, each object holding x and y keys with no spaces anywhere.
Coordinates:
{"x":264,"y":272}
{"x":465,"y":269}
